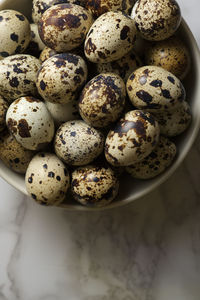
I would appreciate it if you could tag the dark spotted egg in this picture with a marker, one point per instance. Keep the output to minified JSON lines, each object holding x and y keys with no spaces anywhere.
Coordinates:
{"x":47,"y":53}
{"x":36,"y":45}
{"x":110,"y":37}
{"x":63,"y":27}
{"x":61,"y":77}
{"x":156,"y":162}
{"x":77,"y":143}
{"x":15,"y":33}
{"x":132,"y":139}
{"x":18,"y":75}
{"x":156,"y":20}
{"x":155,"y":89}
{"x":94,"y":186}
{"x":47,"y":179}
{"x":30,"y":123}
{"x":3,"y":110}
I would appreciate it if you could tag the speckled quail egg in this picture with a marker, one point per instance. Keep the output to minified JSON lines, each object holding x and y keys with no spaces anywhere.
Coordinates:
{"x":157,"y":20}
{"x":63,"y":27}
{"x":47,"y":179}
{"x":13,"y":155}
{"x":102,"y":100}
{"x":77,"y":143}
{"x":174,"y":122}
{"x":36,"y":45}
{"x":30,"y":122}
{"x":61,"y":77}
{"x":156,"y":162}
{"x":40,"y":6}
{"x":122,"y":67}
{"x":15,"y":33}
{"x":110,"y":37}
{"x":18,"y":75}
{"x":94,"y":186}
{"x":171,"y":55}
{"x":47,"y":53}
{"x":3,"y":110}
{"x":132,"y":139}
{"x":100,"y":7}
{"x":63,"y":112}
{"x":155,"y":89}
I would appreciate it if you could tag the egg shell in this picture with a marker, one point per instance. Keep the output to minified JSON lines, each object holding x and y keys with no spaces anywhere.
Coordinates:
{"x":174,"y":122}
{"x":3,"y":110}
{"x":157,"y":20}
{"x":110,"y":37}
{"x":15,"y":33}
{"x":170,"y":54}
{"x":40,"y":6}
{"x":64,"y":27}
{"x":156,"y":162}
{"x":30,"y":122}
{"x":62,"y":113}
{"x":94,"y":186}
{"x":47,"y":53}
{"x":132,"y":139}
{"x":77,"y":143}
{"x":122,"y":67}
{"x":102,"y":100}
{"x":61,"y":77}
{"x":13,"y":155}
{"x":35,"y":45}
{"x":155,"y":89}
{"x":47,"y":179}
{"x":18,"y":75}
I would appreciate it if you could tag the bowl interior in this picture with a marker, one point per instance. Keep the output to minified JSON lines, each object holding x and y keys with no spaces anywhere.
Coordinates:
{"x":131,"y":189}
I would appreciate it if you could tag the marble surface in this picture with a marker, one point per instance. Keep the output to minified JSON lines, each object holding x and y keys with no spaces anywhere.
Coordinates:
{"x":149,"y":250}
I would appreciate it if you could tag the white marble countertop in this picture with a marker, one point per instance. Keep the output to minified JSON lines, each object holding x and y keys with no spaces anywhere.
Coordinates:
{"x":149,"y":250}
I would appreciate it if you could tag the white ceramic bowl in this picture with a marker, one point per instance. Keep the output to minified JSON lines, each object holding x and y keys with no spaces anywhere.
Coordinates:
{"x":131,"y":189}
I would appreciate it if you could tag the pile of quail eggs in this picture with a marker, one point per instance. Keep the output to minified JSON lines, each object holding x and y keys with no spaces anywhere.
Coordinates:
{"x":91,"y":89}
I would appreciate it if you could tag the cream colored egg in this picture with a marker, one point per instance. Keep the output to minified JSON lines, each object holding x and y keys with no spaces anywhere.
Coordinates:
{"x":3,"y":110}
{"x":47,"y":53}
{"x":36,"y":45}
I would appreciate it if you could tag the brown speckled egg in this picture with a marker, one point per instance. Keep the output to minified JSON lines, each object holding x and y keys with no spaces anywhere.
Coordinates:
{"x":155,"y":89}
{"x":3,"y":110}
{"x":102,"y":100}
{"x":15,"y":33}
{"x":174,"y":122}
{"x":157,"y":20}
{"x":36,"y":45}
{"x":156,"y":162}
{"x":94,"y":186}
{"x":100,"y":7}
{"x":61,"y":77}
{"x":30,"y":122}
{"x":132,"y":139}
{"x":18,"y":76}
{"x":13,"y":155}
{"x":47,"y":179}
{"x":77,"y":143}
{"x":64,"y":27}
{"x":122,"y":67}
{"x":47,"y":53}
{"x":171,"y":55}
{"x":110,"y":37}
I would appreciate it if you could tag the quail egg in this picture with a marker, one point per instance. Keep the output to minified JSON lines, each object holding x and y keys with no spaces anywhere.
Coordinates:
{"x":170,"y":54}
{"x":157,"y":20}
{"x":13,"y":155}
{"x":132,"y":139}
{"x":102,"y":100}
{"x":36,"y":45}
{"x":110,"y":37}
{"x":94,"y":186}
{"x":30,"y":122}
{"x":47,"y":53}
{"x":3,"y":110}
{"x":18,"y":76}
{"x":155,"y":89}
{"x":15,"y":33}
{"x":47,"y":179}
{"x":122,"y":67}
{"x":156,"y":162}
{"x":64,"y":27}
{"x":77,"y":143}
{"x":61,"y":77}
